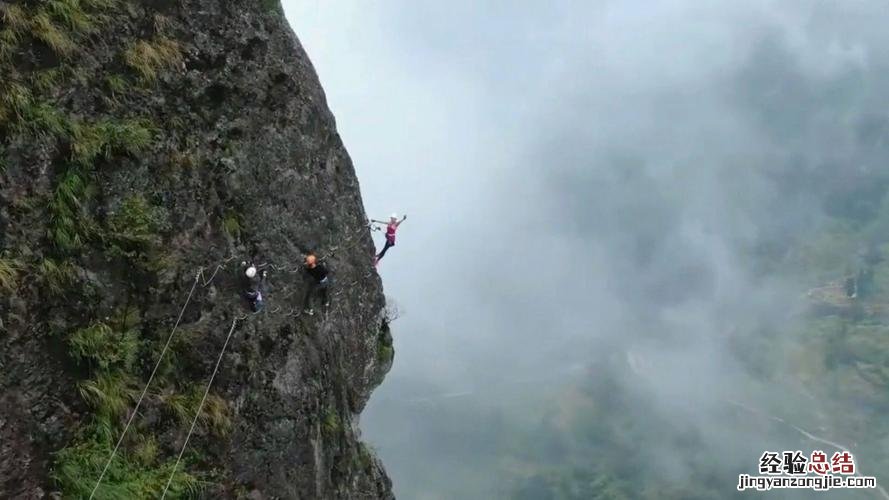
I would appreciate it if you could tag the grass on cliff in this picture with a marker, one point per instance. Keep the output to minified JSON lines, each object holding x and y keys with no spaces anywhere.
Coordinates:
{"x":117,"y":84}
{"x":70,"y":225}
{"x":332,"y":424}
{"x":136,"y":474}
{"x":110,"y":394}
{"x":16,"y":24}
{"x":133,"y":233}
{"x":9,"y":269}
{"x":31,"y":107}
{"x":56,"y":276}
{"x":271,"y":6}
{"x":231,"y":224}
{"x":138,"y":470}
{"x":215,"y":415}
{"x":149,"y":58}
{"x":57,"y":23}
{"x":105,"y":347}
{"x":385,"y":353}
{"x":44,"y":29}
{"x":137,"y":221}
{"x":71,"y":14}
{"x":90,"y":141}
{"x":47,"y":79}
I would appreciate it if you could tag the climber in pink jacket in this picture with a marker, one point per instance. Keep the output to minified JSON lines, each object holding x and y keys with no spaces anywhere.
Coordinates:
{"x":391,"y":227}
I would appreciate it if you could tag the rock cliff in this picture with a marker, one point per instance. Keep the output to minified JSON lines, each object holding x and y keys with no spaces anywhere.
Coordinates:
{"x":142,"y":144}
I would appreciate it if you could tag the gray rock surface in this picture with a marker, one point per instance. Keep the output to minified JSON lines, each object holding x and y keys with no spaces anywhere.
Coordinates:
{"x":244,"y":163}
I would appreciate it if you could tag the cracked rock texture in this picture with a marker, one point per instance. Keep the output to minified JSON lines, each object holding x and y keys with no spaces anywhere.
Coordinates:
{"x":243,"y":163}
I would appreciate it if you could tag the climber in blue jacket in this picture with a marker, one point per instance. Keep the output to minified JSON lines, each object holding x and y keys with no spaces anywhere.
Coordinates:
{"x":252,"y":283}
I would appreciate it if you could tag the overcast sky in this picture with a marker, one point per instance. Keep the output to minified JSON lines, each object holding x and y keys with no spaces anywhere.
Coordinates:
{"x":584,"y":177}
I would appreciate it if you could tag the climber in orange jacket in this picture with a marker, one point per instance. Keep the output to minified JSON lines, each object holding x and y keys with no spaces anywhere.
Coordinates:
{"x":320,"y":282}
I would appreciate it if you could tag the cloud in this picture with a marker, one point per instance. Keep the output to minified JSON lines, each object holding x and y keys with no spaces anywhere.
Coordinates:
{"x":591,"y":177}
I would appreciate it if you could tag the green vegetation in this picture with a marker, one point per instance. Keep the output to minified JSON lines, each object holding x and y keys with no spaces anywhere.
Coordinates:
{"x":145,"y":451}
{"x":71,"y":15}
{"x":45,"y":30}
{"x":214,"y":416}
{"x":46,"y":80}
{"x":116,"y":84}
{"x":108,"y":137}
{"x":55,"y":276}
{"x":183,"y":160}
{"x":15,"y":25}
{"x":331,"y":425}
{"x":148,"y":58}
{"x":271,"y":6}
{"x":109,"y":394}
{"x":136,"y":475}
{"x":57,"y":23}
{"x":231,"y":224}
{"x":14,"y":100}
{"x":134,"y":233}
{"x":385,"y":353}
{"x":70,"y":225}
{"x":14,"y":18}
{"x":137,"y":222}
{"x":9,"y":269}
{"x":36,"y":107}
{"x":364,"y":457}
{"x":105,"y":347}
{"x":42,"y":118}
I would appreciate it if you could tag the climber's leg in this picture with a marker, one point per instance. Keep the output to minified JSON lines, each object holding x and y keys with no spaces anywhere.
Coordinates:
{"x":325,"y":296}
{"x":386,"y":247}
{"x":307,"y":302}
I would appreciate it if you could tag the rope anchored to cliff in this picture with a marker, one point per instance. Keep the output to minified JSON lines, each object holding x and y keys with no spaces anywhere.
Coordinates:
{"x":205,"y":282}
{"x":201,"y":405}
{"x":145,"y":390}
{"x":200,"y":277}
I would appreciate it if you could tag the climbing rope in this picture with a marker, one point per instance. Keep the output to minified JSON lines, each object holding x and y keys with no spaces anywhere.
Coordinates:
{"x":344,"y":244}
{"x":219,"y":267}
{"x":199,"y":276}
{"x":348,"y":242}
{"x":145,"y":390}
{"x":201,"y":405}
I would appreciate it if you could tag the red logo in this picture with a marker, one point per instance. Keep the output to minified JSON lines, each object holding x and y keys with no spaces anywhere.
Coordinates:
{"x":842,"y":463}
{"x":818,"y":463}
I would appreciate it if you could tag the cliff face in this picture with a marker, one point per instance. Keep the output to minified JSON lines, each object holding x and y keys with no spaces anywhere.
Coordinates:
{"x":140,"y":143}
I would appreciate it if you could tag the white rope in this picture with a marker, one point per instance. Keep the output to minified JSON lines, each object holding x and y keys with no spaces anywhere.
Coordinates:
{"x":200,"y":407}
{"x":219,"y":267}
{"x":199,"y":276}
{"x":145,"y":390}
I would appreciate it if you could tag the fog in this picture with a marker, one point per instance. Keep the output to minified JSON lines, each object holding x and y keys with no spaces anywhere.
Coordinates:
{"x":586,"y":184}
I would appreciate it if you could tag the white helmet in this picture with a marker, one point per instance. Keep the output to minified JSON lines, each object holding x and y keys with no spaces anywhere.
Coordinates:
{"x":250,"y":272}
{"x":394,"y":215}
